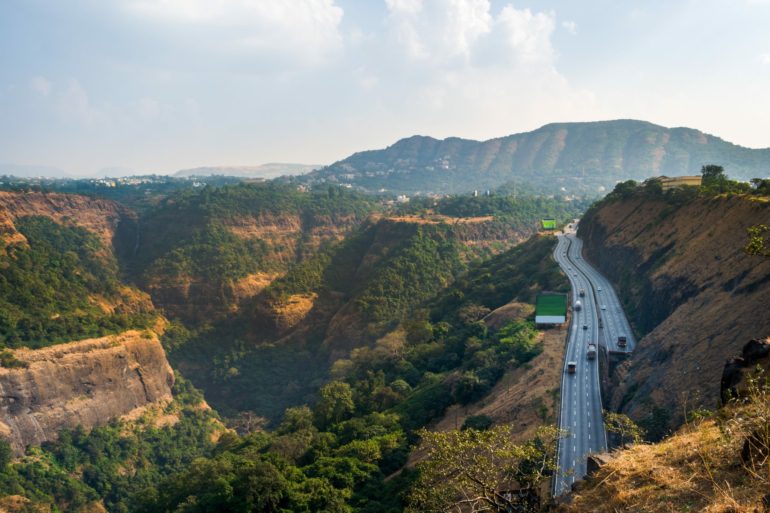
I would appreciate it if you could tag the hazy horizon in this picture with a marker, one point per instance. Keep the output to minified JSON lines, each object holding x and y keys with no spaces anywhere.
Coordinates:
{"x":160,"y":86}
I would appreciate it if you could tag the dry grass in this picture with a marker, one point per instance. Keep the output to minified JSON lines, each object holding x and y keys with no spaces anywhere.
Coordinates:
{"x":436,"y":219}
{"x":700,"y":468}
{"x":293,"y":309}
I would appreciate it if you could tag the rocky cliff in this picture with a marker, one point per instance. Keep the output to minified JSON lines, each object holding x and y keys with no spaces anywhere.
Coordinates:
{"x":692,"y":294}
{"x":85,"y":383}
{"x":99,"y":216}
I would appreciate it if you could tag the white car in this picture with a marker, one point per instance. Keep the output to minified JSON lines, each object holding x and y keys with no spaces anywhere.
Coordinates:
{"x":599,"y":289}
{"x":604,"y":307}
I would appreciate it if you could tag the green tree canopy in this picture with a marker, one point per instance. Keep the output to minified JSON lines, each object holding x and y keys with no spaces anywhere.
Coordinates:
{"x":472,"y":470}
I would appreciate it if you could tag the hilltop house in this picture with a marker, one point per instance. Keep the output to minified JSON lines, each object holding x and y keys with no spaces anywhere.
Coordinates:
{"x":672,"y":182}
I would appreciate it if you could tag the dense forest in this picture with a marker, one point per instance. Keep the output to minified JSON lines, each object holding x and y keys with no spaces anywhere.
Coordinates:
{"x":53,"y":288}
{"x":321,"y":404}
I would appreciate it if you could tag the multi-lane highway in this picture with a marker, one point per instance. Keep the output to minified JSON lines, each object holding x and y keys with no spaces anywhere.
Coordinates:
{"x":581,"y":405}
{"x":600,"y":321}
{"x":613,"y":317}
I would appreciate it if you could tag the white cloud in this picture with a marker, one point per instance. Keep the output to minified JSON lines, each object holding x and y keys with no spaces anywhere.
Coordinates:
{"x":445,"y":31}
{"x":439,"y":29}
{"x":306,"y":30}
{"x":570,"y":26}
{"x":41,"y":85}
{"x":528,"y":34}
{"x":478,"y":72}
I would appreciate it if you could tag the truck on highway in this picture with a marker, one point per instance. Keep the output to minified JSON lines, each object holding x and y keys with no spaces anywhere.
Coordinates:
{"x":582,"y":293}
{"x":572,"y":367}
{"x":591,"y":353}
{"x":578,"y":306}
{"x":622,"y":341}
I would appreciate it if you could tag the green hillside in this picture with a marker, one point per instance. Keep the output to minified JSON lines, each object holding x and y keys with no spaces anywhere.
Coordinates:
{"x":557,"y":158}
{"x":342,"y":453}
{"x":55,"y":287}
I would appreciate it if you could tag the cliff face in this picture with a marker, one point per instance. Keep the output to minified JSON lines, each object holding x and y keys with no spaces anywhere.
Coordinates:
{"x":690,"y":291}
{"x":99,"y":216}
{"x":83,"y":383}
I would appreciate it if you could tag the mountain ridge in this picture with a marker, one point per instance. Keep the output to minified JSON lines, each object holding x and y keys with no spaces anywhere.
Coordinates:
{"x":557,"y":158}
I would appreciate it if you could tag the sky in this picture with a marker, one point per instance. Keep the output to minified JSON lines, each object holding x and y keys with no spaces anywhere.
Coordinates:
{"x":162,"y":85}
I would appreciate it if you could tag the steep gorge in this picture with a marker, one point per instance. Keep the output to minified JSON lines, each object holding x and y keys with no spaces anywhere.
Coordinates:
{"x":693,"y":296}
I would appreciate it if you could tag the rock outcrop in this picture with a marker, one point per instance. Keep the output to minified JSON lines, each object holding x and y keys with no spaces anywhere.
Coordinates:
{"x":85,"y":383}
{"x":692,"y":295}
{"x":755,"y":354}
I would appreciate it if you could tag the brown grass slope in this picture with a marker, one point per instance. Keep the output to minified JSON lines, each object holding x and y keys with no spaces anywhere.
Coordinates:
{"x":719,"y":464}
{"x":690,"y":290}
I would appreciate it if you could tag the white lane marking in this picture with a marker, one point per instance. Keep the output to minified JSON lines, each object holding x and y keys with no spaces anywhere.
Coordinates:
{"x":589,"y":436}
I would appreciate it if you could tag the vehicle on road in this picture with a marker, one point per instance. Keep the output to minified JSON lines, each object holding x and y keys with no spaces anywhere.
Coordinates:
{"x":591,"y":353}
{"x":604,"y":307}
{"x":578,"y":306}
{"x":585,"y":326}
{"x":572,"y":367}
{"x":599,"y":289}
{"x":582,"y":293}
{"x":622,"y":341}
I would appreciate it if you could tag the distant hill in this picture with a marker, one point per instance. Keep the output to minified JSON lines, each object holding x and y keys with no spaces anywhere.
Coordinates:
{"x":559,"y":157}
{"x":272,"y":170}
{"x":25,"y":171}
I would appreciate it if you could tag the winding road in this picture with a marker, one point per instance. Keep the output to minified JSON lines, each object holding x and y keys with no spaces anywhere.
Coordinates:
{"x":581,"y":403}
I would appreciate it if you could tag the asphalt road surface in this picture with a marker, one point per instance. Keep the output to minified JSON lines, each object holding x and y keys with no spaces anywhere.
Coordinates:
{"x":581,"y":404}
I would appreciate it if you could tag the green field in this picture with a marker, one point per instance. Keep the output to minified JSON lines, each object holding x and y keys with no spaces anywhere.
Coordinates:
{"x":551,"y":304}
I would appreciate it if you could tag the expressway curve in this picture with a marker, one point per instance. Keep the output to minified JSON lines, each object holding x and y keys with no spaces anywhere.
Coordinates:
{"x":580,"y":415}
{"x":613,"y":315}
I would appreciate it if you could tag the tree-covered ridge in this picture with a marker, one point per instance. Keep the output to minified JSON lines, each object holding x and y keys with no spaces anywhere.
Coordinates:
{"x":520,"y":210}
{"x":418,"y":269}
{"x":714,"y":182}
{"x":52,"y":286}
{"x":194,"y":220}
{"x":579,"y":157}
{"x":211,"y":237}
